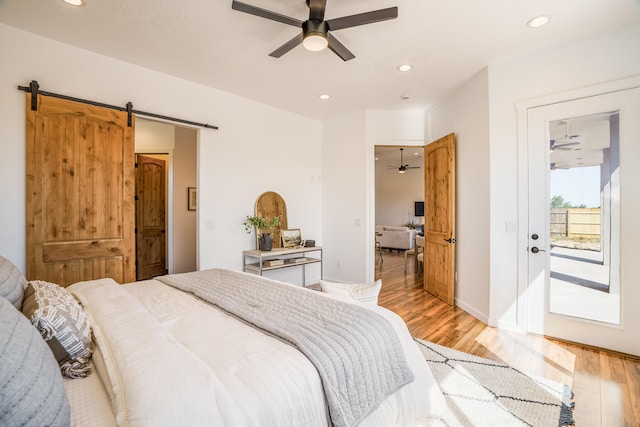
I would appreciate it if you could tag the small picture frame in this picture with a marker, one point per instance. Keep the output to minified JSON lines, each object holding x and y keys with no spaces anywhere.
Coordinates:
{"x":191,"y":198}
{"x":291,"y":238}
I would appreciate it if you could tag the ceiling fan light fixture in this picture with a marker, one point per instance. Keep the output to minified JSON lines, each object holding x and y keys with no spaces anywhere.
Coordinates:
{"x":315,"y":42}
{"x":401,"y":171}
{"x":538,"y":21}
{"x":315,"y":35}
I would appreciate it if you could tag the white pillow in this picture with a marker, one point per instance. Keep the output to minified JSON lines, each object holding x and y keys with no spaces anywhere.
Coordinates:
{"x":366,"y":293}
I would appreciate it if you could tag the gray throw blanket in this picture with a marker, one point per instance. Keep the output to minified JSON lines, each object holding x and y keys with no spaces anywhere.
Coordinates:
{"x":356,"y":351}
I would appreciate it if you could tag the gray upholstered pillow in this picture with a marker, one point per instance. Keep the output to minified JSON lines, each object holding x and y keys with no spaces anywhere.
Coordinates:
{"x":12,"y":282}
{"x":31,"y":388}
{"x":62,"y":323}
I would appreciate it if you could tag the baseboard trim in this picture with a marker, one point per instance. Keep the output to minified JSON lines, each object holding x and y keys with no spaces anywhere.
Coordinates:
{"x":472,"y":311}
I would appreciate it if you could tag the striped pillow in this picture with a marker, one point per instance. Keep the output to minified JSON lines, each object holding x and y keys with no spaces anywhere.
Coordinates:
{"x":62,"y":323}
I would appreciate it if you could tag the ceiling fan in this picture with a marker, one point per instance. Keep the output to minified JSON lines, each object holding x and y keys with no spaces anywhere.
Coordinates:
{"x":403,"y":168}
{"x":568,"y":136}
{"x":315,"y":33}
{"x":553,"y":145}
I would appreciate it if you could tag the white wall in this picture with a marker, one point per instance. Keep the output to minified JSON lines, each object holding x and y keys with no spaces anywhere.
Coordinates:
{"x":386,"y":127}
{"x":238,"y":162}
{"x":154,"y":137}
{"x":184,"y":224}
{"x":466,"y":113}
{"x":346,"y":219}
{"x":583,"y":63}
{"x":349,"y":185}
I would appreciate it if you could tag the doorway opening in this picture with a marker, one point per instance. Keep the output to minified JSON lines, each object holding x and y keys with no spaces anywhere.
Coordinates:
{"x":399,"y":188}
{"x":179,"y":145}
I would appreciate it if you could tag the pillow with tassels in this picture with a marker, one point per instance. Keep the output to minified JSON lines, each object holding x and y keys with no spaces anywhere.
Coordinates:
{"x":63,"y":325}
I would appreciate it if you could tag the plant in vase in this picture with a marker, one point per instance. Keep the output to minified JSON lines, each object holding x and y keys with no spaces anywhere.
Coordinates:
{"x":264,"y":228}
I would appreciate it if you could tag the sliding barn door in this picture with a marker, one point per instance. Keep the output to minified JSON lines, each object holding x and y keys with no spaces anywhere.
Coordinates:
{"x":440,"y":218}
{"x":80,"y":192}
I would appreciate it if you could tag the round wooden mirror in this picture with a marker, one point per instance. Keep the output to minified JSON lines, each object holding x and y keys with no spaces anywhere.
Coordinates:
{"x":268,"y":205}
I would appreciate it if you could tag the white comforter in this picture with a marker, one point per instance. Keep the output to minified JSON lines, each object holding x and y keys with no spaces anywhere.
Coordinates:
{"x":169,"y":359}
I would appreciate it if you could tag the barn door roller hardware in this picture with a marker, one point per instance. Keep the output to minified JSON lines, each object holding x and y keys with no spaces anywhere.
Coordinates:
{"x":34,"y":89}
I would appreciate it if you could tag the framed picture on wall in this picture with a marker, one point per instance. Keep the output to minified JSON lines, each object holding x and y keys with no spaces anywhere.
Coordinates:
{"x":191,"y":198}
{"x":291,"y":238}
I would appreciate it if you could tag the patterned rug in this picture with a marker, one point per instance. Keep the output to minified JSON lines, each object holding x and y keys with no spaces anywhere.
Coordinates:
{"x":481,"y":392}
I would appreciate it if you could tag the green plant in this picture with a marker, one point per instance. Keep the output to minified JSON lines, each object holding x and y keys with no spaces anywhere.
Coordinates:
{"x":262,"y":225}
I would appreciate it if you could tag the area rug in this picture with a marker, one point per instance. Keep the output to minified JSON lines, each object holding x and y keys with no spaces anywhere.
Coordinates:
{"x":481,"y":392}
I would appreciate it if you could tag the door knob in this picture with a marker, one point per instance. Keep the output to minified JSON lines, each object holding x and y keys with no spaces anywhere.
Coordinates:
{"x":535,"y":250}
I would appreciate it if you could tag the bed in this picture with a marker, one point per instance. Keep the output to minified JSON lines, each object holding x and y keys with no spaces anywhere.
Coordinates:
{"x":165,"y":353}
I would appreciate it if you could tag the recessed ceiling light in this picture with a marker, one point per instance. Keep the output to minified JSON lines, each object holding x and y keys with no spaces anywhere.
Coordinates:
{"x":404,"y":97}
{"x":405,"y":67}
{"x":538,"y":21}
{"x":74,"y":2}
{"x":324,"y":96}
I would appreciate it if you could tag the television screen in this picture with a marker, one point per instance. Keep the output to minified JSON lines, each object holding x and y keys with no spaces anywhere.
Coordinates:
{"x":419,"y":209}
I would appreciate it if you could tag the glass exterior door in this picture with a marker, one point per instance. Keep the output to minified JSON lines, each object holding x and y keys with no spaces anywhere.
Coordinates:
{"x":583,"y":180}
{"x":584,"y":217}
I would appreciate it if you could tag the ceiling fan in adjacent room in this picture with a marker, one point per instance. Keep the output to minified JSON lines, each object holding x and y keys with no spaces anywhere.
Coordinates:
{"x":403,"y":168}
{"x":566,"y":141}
{"x":555,"y":145}
{"x":315,"y":33}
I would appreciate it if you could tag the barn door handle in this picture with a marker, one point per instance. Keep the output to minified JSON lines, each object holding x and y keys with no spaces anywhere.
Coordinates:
{"x":450,"y":240}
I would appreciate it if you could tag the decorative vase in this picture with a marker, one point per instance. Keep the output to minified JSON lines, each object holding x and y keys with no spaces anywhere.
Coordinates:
{"x":266,"y":242}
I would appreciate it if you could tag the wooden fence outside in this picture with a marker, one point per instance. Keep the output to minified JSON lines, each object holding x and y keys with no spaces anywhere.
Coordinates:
{"x":575,"y":223}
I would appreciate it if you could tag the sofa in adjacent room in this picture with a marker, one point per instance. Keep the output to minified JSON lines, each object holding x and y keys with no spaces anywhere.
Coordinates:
{"x":395,"y":237}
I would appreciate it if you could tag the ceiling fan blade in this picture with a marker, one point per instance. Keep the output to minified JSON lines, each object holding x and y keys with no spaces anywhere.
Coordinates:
{"x":562,"y":146}
{"x":362,"y":18}
{"x":316,"y":9}
{"x":263,"y":13}
{"x":287,"y":46}
{"x":339,"y":49}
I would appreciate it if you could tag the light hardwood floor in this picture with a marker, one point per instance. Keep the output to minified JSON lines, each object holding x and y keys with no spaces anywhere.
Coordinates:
{"x":606,"y":385}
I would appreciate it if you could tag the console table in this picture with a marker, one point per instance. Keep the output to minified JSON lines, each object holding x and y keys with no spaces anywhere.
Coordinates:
{"x":256,"y":261}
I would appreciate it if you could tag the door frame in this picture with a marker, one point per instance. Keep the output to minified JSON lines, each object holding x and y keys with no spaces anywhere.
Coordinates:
{"x":522,"y":109}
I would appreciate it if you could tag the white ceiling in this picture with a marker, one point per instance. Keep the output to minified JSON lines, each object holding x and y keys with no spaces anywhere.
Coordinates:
{"x":205,"y":41}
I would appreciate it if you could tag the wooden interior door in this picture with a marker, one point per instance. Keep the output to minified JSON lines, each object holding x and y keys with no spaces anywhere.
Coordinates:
{"x":150,"y":217}
{"x":80,"y":192}
{"x":440,"y":215}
